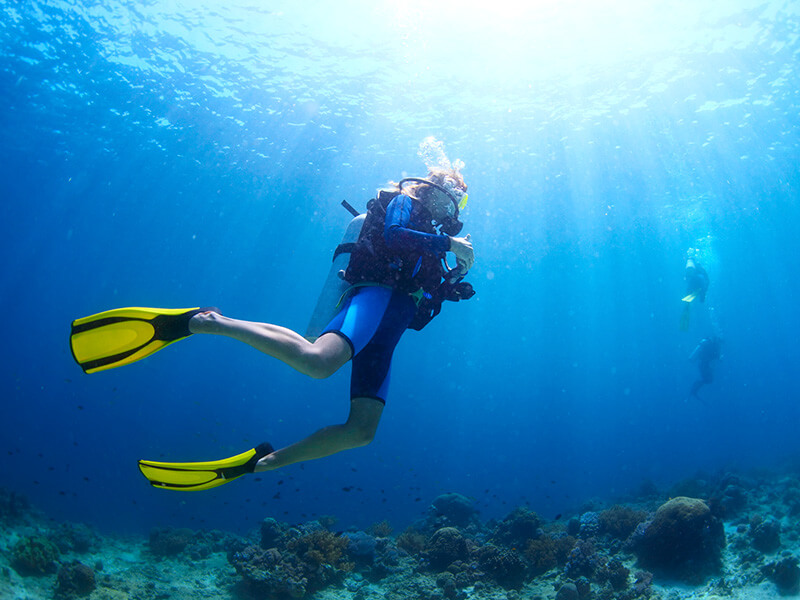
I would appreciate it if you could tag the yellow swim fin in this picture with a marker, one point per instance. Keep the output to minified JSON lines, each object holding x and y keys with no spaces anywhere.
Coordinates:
{"x":124,"y":335}
{"x":191,"y":477}
{"x":689,"y":297}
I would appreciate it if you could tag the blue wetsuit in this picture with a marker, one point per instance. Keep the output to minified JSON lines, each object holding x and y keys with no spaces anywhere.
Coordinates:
{"x":375,"y":317}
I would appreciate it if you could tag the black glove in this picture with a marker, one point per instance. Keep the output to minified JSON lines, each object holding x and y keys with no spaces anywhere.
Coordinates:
{"x":462,"y":290}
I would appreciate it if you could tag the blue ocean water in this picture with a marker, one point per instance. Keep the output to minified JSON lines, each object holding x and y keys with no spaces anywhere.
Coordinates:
{"x":166,"y":153}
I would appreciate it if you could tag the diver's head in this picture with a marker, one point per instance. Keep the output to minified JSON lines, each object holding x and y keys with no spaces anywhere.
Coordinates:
{"x":451,"y":195}
{"x":443,"y":193}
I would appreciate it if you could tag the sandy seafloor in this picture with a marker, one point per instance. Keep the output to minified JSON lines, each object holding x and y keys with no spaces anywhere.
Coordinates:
{"x":133,"y":567}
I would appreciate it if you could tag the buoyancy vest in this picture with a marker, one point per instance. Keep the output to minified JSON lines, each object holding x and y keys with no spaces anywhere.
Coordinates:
{"x":404,"y":269}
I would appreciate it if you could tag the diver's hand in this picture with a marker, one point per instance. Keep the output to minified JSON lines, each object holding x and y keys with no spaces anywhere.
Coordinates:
{"x":462,"y":248}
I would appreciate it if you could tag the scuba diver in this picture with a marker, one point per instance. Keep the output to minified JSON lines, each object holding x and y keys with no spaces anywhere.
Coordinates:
{"x":397,"y":278}
{"x":696,"y":287}
{"x":707,"y":350}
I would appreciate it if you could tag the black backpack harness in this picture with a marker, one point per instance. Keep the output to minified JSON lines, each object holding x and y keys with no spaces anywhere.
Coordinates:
{"x":424,"y":277}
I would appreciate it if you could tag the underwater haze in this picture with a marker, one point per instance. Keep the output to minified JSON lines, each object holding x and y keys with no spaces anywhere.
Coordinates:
{"x":195,"y":153}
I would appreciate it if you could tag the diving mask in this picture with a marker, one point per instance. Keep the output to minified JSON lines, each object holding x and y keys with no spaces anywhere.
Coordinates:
{"x":459,"y":196}
{"x":457,"y":200}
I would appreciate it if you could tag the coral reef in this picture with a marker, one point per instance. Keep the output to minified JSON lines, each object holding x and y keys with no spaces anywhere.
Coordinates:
{"x":765,"y":535}
{"x":683,"y":540}
{"x":568,"y":591}
{"x":412,"y":541}
{"x":642,"y":584}
{"x":361,"y":546}
{"x":615,"y":573}
{"x":195,"y":545}
{"x":503,"y":565}
{"x":268,"y":573}
{"x":619,"y":522}
{"x":446,"y":546}
{"x":298,"y":561}
{"x":546,"y":552}
{"x":785,"y":574}
{"x":321,"y":548}
{"x":453,"y":510}
{"x":381,"y":529}
{"x":272,"y":533}
{"x":75,"y":538}
{"x":34,"y":555}
{"x":582,"y":560}
{"x":166,"y":541}
{"x":517,"y":528}
{"x":588,"y":525}
{"x":729,"y":498}
{"x":74,"y":580}
{"x":520,"y":556}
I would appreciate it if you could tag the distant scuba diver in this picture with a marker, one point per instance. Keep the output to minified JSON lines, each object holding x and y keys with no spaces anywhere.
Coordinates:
{"x":707,"y":350}
{"x":696,"y":287}
{"x":396,"y":278}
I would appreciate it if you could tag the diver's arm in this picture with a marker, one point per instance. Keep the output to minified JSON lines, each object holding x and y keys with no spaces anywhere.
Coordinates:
{"x":399,"y":235}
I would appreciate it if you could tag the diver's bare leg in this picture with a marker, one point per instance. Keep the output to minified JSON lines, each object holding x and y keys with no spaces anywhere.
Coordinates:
{"x":365,"y":414}
{"x":319,"y":359}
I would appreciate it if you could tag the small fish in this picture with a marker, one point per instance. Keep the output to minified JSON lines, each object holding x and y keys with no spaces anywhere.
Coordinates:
{"x":557,"y":517}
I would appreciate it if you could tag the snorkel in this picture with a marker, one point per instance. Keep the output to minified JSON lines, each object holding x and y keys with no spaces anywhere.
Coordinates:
{"x":450,"y":224}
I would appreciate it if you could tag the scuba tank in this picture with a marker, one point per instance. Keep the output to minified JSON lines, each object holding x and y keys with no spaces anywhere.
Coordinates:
{"x":335,"y":285}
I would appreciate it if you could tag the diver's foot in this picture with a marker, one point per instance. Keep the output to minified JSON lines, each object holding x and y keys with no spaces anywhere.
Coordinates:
{"x":266,"y":463}
{"x":206,"y":322}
